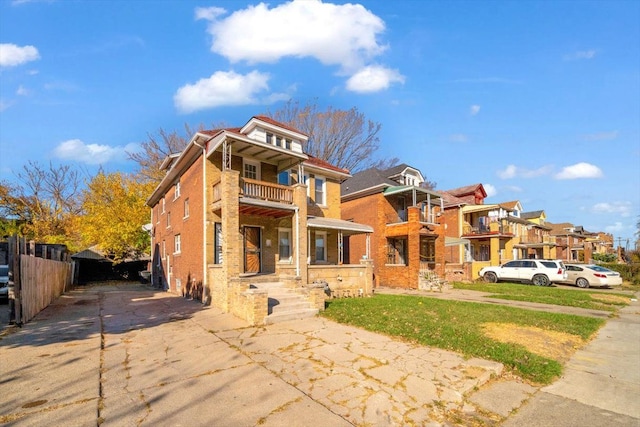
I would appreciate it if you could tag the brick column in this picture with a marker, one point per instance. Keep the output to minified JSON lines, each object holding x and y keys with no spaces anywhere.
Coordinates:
{"x":300,"y":241}
{"x":231,"y":237}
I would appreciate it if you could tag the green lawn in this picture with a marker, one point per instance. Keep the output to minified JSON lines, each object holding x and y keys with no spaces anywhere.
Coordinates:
{"x":607,"y":301}
{"x":457,"y":326}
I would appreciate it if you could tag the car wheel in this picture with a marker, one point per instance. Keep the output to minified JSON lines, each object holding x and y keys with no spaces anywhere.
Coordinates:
{"x":490,"y":277}
{"x":582,"y":282}
{"x":540,"y":280}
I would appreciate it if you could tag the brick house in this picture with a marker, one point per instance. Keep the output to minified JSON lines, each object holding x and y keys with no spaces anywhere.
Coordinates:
{"x":407,"y":238}
{"x":242,"y":213}
{"x":572,"y":243}
{"x":538,"y":242}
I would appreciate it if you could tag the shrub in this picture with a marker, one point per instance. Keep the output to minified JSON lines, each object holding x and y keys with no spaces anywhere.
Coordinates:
{"x":630,"y":272}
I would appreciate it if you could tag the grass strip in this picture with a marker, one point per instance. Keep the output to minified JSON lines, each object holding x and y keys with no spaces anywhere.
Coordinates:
{"x":457,"y":326}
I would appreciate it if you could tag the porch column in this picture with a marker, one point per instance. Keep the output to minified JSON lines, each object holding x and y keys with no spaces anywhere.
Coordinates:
{"x":300,"y":231}
{"x":231,"y":235}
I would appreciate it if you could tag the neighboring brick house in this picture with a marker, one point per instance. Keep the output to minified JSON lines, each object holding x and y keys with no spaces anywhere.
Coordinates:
{"x":571,"y":242}
{"x":408,"y":238}
{"x":538,"y":242}
{"x":243,"y":206}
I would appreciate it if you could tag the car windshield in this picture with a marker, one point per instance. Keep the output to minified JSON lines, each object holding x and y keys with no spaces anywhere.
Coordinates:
{"x":598,"y":268}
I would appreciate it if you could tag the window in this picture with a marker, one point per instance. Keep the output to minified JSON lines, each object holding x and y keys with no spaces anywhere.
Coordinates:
{"x":186,"y":207}
{"x":270,"y":139}
{"x":168,"y":219}
{"x":176,"y":244}
{"x":320,"y":190}
{"x":176,"y":190}
{"x":164,"y":249}
{"x":321,"y":246}
{"x":251,"y":169}
{"x":287,"y":144}
{"x":397,"y":251}
{"x":217,"y":239}
{"x":163,"y":205}
{"x":284,"y":244}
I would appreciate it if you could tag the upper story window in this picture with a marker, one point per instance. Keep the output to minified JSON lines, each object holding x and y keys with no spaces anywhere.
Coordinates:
{"x":320,"y":190}
{"x":251,"y":169}
{"x":176,"y":190}
{"x":163,"y":205}
{"x":177,"y":244}
{"x":186,"y":207}
{"x":168,"y":219}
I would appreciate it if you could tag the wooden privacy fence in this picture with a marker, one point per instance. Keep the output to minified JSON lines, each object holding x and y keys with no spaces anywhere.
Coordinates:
{"x":41,"y":281}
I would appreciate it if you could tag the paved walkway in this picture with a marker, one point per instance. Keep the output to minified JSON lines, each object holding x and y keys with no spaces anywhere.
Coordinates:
{"x":126,"y":355}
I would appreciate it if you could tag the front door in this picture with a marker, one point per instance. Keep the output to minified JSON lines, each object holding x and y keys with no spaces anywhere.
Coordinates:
{"x":252,"y":249}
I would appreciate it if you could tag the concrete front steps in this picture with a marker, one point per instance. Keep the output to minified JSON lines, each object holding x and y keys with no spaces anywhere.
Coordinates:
{"x":285,"y":303}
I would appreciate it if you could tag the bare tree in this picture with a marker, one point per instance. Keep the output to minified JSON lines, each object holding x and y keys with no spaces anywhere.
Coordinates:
{"x":160,"y":145}
{"x":46,"y":201}
{"x":344,"y":138}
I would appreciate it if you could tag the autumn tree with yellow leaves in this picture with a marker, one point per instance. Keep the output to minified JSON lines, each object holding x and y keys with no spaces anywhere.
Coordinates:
{"x":114,"y":212}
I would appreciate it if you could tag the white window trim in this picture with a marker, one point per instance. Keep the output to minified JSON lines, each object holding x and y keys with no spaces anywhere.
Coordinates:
{"x":322,"y":234}
{"x":177,"y":244}
{"x":255,"y":163}
{"x":323,"y":202}
{"x":176,"y":190}
{"x":186,"y":208}
{"x":287,"y":230}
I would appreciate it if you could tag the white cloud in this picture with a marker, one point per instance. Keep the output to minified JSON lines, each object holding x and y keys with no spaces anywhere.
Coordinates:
{"x":513,"y":171}
{"x":581,"y":54}
{"x":23,"y":91}
{"x":579,"y":170}
{"x":222,"y":88}
{"x":4,"y":105}
{"x":514,"y":188}
{"x":209,"y":13}
{"x":474,"y":109}
{"x":93,"y":154}
{"x":602,"y":136}
{"x":458,"y":137}
{"x":490,"y":189}
{"x":20,"y":2}
{"x":621,"y":208}
{"x":616,"y":228}
{"x":373,"y":79}
{"x":12,"y":55}
{"x":333,"y":34}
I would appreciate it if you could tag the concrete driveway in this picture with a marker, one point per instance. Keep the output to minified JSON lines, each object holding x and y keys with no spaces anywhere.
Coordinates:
{"x":127,"y":355}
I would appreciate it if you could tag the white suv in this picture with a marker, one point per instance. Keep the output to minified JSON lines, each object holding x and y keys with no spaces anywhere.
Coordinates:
{"x":540,"y":272}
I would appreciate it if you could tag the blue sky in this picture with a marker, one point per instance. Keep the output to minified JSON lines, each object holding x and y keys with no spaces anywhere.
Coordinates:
{"x":537,"y":100}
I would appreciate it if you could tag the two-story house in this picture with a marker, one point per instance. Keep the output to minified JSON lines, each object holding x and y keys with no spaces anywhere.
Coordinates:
{"x":571,"y":242}
{"x":537,"y":242}
{"x":407,"y":235}
{"x":244,"y":211}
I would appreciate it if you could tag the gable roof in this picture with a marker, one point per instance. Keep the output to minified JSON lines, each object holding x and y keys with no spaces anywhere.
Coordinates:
{"x":468,"y":189}
{"x":532,"y":214}
{"x":323,"y":164}
{"x":368,"y":179}
{"x":511,"y":205}
{"x":450,"y":200}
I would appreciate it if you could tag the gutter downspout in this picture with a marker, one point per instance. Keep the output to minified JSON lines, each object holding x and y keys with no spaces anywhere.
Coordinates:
{"x":298,"y":244}
{"x":204,"y":222}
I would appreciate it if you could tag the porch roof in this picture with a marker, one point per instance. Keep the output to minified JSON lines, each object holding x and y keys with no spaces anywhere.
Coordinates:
{"x":455,"y":241}
{"x":249,"y":206}
{"x":347,"y":227}
{"x":397,"y":189}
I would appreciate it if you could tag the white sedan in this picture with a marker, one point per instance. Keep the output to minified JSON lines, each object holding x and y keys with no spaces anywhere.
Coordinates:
{"x":585,"y":275}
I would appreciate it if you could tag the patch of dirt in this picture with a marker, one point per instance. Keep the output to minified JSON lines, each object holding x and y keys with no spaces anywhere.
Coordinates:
{"x":551,"y":344}
{"x":613,"y":299}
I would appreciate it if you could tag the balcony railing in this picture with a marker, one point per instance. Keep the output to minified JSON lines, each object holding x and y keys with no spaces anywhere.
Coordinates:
{"x":260,"y":190}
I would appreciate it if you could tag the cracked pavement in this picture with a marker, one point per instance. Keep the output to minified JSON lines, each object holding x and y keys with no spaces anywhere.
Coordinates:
{"x":125,"y":355}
